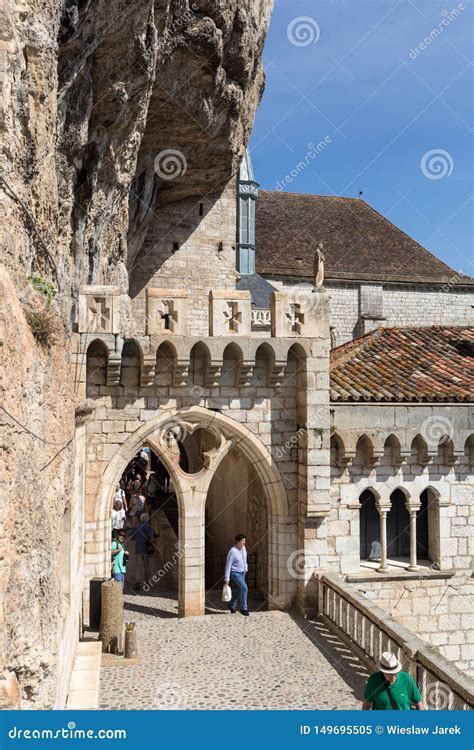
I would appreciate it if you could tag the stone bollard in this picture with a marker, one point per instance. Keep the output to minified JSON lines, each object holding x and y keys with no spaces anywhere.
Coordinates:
{"x":131,"y":645}
{"x":111,"y":617}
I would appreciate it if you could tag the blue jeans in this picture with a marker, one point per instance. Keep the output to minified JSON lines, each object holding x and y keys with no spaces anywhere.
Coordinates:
{"x":241,"y":593}
{"x":119,"y":577}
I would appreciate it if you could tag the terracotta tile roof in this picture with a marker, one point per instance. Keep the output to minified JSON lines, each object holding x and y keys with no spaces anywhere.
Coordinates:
{"x":405,"y":364}
{"x":359,"y":243}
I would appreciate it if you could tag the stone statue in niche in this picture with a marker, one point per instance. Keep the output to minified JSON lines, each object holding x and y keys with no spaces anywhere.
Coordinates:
{"x":319,"y":267}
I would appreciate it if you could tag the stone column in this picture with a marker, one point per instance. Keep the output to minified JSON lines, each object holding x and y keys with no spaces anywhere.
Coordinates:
{"x":413,"y":509}
{"x":313,"y":452}
{"x":383,"y":508}
{"x":191,"y":592}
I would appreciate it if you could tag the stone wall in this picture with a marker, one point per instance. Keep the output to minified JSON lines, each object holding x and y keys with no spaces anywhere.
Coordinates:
{"x":190,"y":246}
{"x":383,"y":465}
{"x":277,"y":390}
{"x":358,"y":308}
{"x":439,"y":611}
{"x":436,"y":607}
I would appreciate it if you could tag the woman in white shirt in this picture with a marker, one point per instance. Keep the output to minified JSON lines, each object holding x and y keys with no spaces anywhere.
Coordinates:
{"x":118,"y":518}
{"x":119,"y":496}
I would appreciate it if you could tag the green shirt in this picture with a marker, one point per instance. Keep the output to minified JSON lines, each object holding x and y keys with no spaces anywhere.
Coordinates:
{"x":118,"y":566}
{"x":404,"y":691}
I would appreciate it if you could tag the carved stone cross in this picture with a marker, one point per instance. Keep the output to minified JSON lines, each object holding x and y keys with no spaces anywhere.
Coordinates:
{"x":99,"y":315}
{"x":233,"y":316}
{"x":295,"y":318}
{"x":168,"y":314}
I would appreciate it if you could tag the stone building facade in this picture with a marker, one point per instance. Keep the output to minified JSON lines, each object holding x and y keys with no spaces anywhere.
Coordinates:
{"x":375,"y":274}
{"x":234,"y":400}
{"x":180,"y":364}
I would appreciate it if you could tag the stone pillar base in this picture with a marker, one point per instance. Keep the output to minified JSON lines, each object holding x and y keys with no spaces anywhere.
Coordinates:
{"x":191,"y":604}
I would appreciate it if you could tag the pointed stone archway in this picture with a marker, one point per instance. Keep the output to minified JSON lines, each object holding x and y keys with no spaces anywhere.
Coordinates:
{"x":191,"y":493}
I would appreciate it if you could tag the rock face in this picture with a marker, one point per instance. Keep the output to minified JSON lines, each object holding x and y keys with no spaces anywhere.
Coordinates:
{"x":102,"y":101}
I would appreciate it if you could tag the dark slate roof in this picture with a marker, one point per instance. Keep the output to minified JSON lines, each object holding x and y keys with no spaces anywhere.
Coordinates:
{"x":359,"y":243}
{"x":405,"y":364}
{"x":259,"y":289}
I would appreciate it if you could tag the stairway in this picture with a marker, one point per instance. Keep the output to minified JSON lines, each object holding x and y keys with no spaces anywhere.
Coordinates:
{"x":167,"y":502}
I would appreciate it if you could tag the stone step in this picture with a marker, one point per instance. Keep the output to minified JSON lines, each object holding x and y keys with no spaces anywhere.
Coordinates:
{"x":84,"y":684}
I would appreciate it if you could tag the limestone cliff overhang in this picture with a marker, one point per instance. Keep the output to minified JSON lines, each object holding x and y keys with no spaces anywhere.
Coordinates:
{"x":405,"y":365}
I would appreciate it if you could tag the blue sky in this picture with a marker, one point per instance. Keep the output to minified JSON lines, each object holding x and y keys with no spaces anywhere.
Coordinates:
{"x":353,"y":72}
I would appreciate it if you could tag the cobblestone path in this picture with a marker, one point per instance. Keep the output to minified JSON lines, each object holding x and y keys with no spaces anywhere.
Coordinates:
{"x":270,"y":660}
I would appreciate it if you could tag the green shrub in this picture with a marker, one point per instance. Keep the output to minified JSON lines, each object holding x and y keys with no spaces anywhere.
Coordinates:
{"x":45,"y":287}
{"x":42,"y":326}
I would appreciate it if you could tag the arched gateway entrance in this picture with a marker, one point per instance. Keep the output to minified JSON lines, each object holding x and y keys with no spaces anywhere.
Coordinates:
{"x":209,"y":438}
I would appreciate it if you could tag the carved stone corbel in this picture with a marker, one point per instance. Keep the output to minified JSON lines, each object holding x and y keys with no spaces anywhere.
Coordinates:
{"x":114,"y":364}
{"x":181,"y":372}
{"x":148,"y":368}
{"x":246,"y":372}
{"x":277,"y":373}
{"x":213,"y":373}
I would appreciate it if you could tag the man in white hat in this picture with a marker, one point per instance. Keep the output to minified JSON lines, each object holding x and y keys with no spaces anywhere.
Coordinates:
{"x":390,"y":689}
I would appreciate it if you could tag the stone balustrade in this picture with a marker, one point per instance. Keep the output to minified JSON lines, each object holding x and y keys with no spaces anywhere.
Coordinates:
{"x":261,"y":319}
{"x":368,"y":630}
{"x":167,"y":312}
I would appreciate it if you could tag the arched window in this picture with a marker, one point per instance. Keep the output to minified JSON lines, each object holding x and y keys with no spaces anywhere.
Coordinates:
{"x":96,"y":367}
{"x":364,"y":455}
{"x":200,"y":359}
{"x":165,"y":365}
{"x":422,"y":526}
{"x":398,"y":527}
{"x":337,"y":452}
{"x":232,"y":358}
{"x":264,"y":358}
{"x":369,"y":527}
{"x":130,"y":370}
